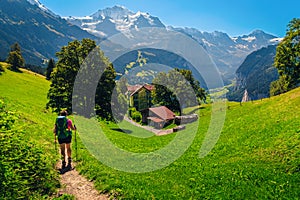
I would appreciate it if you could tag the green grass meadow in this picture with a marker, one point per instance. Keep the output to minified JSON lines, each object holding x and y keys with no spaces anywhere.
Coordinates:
{"x":257,"y":155}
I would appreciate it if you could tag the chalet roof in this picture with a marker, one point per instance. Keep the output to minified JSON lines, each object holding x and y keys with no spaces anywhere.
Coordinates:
{"x":136,"y":88}
{"x":163,"y":112}
{"x":132,"y":88}
{"x":149,"y":87}
{"x":155,"y":119}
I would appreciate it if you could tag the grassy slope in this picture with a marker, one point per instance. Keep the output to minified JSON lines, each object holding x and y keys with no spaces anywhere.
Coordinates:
{"x":26,"y":94}
{"x":257,"y":155}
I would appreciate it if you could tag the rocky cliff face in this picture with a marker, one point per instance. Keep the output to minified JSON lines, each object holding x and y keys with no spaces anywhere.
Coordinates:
{"x":255,"y":75}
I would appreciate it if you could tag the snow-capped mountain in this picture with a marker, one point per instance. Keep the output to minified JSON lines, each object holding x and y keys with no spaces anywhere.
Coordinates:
{"x":42,"y":7}
{"x":109,"y":21}
{"x":229,"y":52}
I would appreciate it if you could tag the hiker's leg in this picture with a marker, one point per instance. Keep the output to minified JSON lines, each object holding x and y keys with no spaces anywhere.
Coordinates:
{"x":63,"y":155}
{"x":62,"y":151}
{"x":69,"y":152}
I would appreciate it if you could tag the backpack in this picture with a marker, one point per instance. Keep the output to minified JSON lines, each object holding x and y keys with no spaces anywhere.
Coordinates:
{"x":62,"y":130}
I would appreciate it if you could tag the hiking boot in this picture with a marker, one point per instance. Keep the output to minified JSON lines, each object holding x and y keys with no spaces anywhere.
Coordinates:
{"x":63,"y":164}
{"x":69,"y":163}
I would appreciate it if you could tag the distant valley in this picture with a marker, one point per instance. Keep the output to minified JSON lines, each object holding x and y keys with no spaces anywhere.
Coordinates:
{"x":41,"y":33}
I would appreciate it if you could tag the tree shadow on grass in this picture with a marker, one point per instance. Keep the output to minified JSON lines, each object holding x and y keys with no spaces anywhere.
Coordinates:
{"x":122,"y":130}
{"x":15,"y":70}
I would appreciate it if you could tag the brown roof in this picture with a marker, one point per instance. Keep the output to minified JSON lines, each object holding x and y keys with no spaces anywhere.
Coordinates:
{"x":155,"y":119}
{"x":163,"y":112}
{"x":138,"y":88}
{"x":149,"y":87}
{"x":132,"y":88}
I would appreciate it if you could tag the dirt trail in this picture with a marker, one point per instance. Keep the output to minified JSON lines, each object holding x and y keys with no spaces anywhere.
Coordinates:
{"x":75,"y":184}
{"x":149,"y":128}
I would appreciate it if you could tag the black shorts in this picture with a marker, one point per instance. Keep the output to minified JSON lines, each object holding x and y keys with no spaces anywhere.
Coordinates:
{"x":66,"y":140}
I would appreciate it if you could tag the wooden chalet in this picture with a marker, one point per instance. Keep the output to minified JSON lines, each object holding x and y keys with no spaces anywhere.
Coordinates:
{"x":160,"y":116}
{"x":140,"y":96}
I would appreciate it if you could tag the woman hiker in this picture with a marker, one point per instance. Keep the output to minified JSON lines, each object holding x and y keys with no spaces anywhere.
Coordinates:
{"x":63,"y":130}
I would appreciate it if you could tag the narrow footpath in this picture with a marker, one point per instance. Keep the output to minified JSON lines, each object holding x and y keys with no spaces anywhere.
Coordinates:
{"x":78,"y":186}
{"x":157,"y":132}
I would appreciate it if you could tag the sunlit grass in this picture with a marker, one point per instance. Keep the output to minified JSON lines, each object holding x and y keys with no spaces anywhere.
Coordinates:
{"x":257,"y":155}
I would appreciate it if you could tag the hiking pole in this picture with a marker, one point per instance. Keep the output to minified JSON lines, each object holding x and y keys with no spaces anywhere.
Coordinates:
{"x":75,"y":141}
{"x":55,"y":142}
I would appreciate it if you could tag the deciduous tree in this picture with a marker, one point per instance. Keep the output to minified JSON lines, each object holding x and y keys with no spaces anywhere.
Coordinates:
{"x":70,"y":59}
{"x":287,"y":60}
{"x":177,"y":89}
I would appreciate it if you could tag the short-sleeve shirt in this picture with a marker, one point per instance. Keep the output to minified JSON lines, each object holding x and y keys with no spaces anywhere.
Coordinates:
{"x":69,"y":124}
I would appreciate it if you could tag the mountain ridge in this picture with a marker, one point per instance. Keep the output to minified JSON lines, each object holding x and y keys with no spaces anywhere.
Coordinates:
{"x":40,"y":34}
{"x":227,"y":52}
{"x":121,"y":17}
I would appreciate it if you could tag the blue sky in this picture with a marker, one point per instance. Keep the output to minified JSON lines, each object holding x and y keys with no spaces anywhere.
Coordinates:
{"x":235,"y":17}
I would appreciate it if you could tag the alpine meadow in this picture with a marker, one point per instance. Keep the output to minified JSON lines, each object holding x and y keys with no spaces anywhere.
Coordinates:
{"x":119,"y":105}
{"x":256,"y":157}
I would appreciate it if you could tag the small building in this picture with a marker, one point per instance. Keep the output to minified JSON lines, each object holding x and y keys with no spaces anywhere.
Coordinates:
{"x":140,"y":96}
{"x":160,"y":116}
{"x":186,"y":119}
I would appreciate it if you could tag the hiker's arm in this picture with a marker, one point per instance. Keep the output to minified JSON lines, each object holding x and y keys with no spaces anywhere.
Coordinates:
{"x":73,"y":127}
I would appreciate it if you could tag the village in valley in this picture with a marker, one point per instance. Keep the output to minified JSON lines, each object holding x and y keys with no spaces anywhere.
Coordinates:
{"x":157,"y":117}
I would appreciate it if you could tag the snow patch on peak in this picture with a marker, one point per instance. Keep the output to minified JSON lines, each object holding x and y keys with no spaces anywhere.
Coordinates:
{"x":116,"y":13}
{"x":139,"y":14}
{"x":276,"y":40}
{"x":249,"y":39}
{"x":79,"y":18}
{"x":36,"y":2}
{"x":234,"y":39}
{"x":42,"y":7}
{"x":120,"y":7}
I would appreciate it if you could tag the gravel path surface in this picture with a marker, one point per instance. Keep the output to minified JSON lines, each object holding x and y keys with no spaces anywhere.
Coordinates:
{"x":75,"y":184}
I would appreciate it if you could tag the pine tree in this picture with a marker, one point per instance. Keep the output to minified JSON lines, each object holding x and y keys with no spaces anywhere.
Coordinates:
{"x":70,"y":58}
{"x":50,"y":67}
{"x":15,"y":58}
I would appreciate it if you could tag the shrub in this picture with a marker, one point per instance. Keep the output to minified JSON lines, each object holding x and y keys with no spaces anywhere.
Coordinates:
{"x":280,"y":86}
{"x":135,"y":115}
{"x":7,"y":118}
{"x":1,"y":68}
{"x":25,"y":171}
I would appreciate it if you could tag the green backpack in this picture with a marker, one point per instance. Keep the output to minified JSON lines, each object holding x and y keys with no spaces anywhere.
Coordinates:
{"x":62,"y":127}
